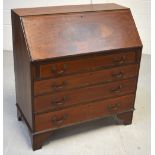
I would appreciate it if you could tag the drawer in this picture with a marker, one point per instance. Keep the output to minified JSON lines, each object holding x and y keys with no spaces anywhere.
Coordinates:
{"x":85,"y":79}
{"x":65,"y":67}
{"x":65,"y":117}
{"x":55,"y":101}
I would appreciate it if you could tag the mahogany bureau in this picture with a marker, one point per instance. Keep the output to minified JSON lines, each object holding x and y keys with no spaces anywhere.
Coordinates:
{"x":74,"y":64}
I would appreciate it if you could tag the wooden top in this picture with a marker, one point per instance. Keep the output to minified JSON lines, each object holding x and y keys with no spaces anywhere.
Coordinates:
{"x":67,"y":9}
{"x":59,"y":35}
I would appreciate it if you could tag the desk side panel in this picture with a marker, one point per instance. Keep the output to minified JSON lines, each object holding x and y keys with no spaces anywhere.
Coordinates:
{"x":22,"y":69}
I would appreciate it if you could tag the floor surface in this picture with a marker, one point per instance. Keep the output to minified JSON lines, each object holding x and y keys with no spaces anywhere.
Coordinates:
{"x":101,"y":137}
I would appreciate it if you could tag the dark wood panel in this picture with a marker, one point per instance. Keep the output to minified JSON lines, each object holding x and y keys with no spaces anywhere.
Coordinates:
{"x":62,"y":68}
{"x":73,"y":34}
{"x":81,"y":113}
{"x":22,"y":68}
{"x":62,"y":99}
{"x":68,"y":9}
{"x":85,"y":79}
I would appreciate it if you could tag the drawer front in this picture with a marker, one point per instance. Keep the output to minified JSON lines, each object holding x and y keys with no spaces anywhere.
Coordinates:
{"x":58,"y":119}
{"x":56,"y":101}
{"x":62,"y":68}
{"x":85,"y":79}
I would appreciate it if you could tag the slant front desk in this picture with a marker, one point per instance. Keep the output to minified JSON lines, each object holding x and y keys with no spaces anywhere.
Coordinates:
{"x":74,"y":64}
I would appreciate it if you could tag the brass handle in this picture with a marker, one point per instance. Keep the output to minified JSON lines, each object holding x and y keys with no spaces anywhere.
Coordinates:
{"x":117,"y":90}
{"x":60,"y":102}
{"x":59,"y":120}
{"x":118,"y":75}
{"x":114,"y":107}
{"x":119,"y":61}
{"x":59,"y":72}
{"x":59,"y":87}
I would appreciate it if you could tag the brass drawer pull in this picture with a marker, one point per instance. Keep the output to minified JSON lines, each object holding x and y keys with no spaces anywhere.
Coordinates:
{"x":59,"y":72}
{"x":114,"y":107}
{"x":119,"y":61}
{"x":60,"y":102}
{"x":117,"y":90}
{"x":60,"y":86}
{"x":118,"y":75}
{"x":59,"y":120}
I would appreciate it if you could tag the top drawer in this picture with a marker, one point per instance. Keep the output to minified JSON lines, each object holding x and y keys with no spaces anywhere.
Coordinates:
{"x":84,"y":64}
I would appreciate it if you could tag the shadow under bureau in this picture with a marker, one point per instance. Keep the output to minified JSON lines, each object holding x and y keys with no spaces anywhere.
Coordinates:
{"x":74,"y":64}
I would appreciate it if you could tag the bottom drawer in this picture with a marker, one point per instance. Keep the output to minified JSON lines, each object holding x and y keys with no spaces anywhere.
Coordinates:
{"x":65,"y":117}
